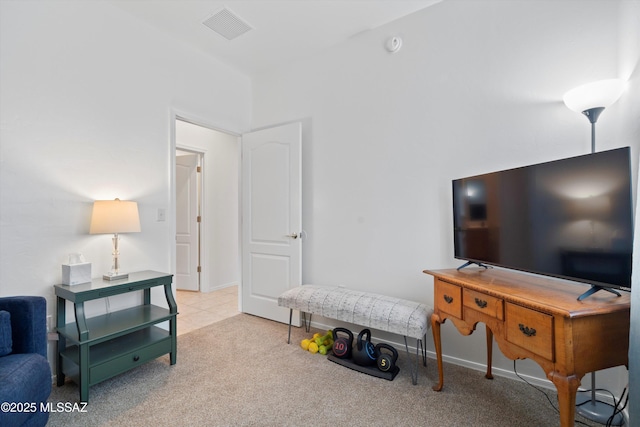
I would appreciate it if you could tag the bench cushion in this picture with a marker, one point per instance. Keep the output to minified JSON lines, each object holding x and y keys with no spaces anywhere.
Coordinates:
{"x":399,"y":316}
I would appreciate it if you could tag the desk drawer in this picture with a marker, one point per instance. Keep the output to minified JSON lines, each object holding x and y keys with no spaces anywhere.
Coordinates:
{"x":530,"y":329}
{"x":491,"y":306}
{"x":116,"y":290}
{"x":448,"y":298}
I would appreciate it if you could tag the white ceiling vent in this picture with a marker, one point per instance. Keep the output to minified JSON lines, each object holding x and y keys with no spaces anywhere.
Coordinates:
{"x":227,"y":24}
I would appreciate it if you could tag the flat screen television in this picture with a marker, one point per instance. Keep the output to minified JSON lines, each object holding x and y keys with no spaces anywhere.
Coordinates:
{"x":569,"y":218}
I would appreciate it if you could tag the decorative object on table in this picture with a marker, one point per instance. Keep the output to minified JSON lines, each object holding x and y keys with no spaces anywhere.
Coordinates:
{"x":591,"y":99}
{"x":76,"y":271}
{"x":115,"y":217}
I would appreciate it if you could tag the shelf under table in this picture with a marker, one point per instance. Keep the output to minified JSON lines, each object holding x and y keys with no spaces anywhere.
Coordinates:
{"x":117,"y":323}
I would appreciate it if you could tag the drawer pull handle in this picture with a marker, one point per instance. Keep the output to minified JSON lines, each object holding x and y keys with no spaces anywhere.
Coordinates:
{"x":136,"y":358}
{"x":481,"y":303}
{"x":448,"y":299}
{"x":530,"y":332}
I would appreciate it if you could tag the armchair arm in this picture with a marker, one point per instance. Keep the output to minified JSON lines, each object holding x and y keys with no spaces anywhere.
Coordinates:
{"x":28,"y":323}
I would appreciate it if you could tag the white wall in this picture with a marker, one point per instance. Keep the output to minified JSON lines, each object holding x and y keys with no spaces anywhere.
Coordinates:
{"x":221,"y":169}
{"x":476,"y":87}
{"x":87,"y":100}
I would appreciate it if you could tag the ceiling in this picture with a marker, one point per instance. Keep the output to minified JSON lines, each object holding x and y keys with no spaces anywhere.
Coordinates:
{"x":281,"y":31}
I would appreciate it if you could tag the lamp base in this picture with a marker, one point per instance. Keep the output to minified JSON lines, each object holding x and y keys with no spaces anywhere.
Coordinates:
{"x":598,"y":411}
{"x":115,"y":276}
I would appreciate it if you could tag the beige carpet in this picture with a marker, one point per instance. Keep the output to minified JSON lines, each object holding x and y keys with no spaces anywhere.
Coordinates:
{"x":241,"y":372}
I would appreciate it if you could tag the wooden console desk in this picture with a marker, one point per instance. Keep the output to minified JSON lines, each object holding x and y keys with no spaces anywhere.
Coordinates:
{"x":539,"y":318}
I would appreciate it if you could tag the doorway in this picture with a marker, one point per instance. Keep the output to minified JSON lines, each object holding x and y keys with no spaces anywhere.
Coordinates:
{"x":216,"y":155}
{"x":270,"y":161}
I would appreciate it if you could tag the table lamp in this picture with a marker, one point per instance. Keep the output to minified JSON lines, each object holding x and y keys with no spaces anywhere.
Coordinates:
{"x":114,"y":216}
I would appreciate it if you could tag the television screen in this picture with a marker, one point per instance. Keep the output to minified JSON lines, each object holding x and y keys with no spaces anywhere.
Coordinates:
{"x":569,"y":218}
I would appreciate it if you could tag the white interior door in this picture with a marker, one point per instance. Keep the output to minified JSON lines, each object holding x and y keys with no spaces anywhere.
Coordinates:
{"x":271,"y":219}
{"x":187,"y":230}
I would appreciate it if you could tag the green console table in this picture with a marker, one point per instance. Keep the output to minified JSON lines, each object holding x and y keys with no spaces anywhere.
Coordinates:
{"x":91,"y":350}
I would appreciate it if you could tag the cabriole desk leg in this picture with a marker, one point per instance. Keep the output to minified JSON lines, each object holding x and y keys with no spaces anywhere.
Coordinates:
{"x":566,"y":387}
{"x":489,"y":375}
{"x":435,"y":327}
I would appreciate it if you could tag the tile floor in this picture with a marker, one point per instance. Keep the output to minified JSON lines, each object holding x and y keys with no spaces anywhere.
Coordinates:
{"x":198,"y":309}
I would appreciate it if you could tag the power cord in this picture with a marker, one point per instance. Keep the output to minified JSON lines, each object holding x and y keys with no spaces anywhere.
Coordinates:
{"x":617,"y":410}
{"x":544,"y":393}
{"x":534,"y":387}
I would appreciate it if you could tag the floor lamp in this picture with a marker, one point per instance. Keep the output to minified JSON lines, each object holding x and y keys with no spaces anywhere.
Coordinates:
{"x":591,"y":99}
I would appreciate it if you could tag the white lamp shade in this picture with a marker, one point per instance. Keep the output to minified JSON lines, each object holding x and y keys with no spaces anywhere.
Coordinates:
{"x":114,"y":216}
{"x":602,"y":93}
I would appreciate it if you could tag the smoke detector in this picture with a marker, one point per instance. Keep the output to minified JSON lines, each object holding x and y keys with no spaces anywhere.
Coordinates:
{"x":227,"y":24}
{"x":393,"y":44}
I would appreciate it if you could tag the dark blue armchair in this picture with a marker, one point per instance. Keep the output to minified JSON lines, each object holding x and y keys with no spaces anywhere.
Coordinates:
{"x":25,"y":374}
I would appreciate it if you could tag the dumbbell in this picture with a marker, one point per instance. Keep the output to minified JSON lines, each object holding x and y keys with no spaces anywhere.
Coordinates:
{"x":341,"y":345}
{"x":386,"y":362}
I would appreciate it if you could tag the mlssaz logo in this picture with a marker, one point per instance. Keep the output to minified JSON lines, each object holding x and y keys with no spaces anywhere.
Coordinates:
{"x":63,"y":407}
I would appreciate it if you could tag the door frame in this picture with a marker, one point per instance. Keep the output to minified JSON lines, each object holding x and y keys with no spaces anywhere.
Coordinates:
{"x":198,"y":121}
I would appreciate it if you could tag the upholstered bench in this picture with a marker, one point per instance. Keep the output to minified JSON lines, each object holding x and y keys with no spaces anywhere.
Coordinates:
{"x":384,"y":313}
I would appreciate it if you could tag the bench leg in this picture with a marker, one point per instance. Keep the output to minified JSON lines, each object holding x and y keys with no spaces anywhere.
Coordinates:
{"x":290,"y":317}
{"x":307,"y":326}
{"x":424,"y":350}
{"x":419,"y":349}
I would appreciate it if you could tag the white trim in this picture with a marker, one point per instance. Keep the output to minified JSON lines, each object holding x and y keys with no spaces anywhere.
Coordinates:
{"x":224,"y":286}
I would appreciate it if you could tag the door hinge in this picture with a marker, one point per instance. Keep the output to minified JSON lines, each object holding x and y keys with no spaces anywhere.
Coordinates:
{"x":198,"y":169}
{"x":199,"y":269}
{"x":199,"y":218}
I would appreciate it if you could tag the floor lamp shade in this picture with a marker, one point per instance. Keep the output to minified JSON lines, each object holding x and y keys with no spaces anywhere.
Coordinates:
{"x":592,"y":98}
{"x":602,"y":94}
{"x":114,"y":217}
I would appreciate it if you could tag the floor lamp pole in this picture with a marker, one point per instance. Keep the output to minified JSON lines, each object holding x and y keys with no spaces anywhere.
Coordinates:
{"x":593,"y":409}
{"x":593,"y":114}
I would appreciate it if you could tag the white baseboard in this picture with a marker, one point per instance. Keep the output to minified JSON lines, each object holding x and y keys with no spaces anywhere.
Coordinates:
{"x":223,"y":286}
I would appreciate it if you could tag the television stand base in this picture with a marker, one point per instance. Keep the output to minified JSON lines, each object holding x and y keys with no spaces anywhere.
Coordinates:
{"x":468,"y":263}
{"x":594,"y":289}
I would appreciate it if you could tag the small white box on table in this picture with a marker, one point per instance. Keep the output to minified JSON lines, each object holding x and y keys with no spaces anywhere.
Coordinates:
{"x":76,"y":271}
